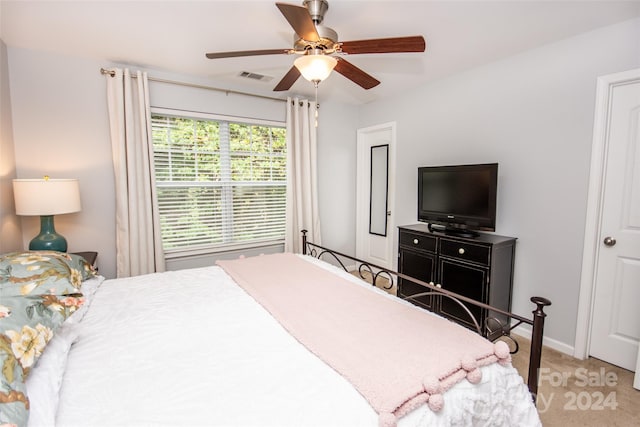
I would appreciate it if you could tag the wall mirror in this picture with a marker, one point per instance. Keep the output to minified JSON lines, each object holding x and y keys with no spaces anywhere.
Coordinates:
{"x":379,"y":186}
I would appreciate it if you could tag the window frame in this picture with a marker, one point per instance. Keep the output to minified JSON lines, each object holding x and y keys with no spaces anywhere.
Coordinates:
{"x":205,"y":249}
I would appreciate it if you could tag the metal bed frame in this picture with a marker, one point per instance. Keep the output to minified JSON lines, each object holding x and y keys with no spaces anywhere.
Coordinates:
{"x":377,"y":272}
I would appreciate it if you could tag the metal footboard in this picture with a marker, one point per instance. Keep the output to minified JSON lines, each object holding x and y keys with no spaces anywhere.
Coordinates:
{"x":493,"y":324}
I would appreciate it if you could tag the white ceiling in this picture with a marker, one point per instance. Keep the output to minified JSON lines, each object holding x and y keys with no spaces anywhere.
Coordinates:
{"x":174,"y":36}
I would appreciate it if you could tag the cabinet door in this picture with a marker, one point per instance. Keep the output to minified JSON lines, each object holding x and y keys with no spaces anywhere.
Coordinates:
{"x":420,"y":266}
{"x":467,"y":280}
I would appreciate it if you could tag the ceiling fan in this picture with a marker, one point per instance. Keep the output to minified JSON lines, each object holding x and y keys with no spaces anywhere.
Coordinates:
{"x":320,"y":50}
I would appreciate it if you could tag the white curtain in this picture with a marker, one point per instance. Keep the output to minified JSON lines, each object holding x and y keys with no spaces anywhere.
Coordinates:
{"x":302,"y":183}
{"x":138,"y":240}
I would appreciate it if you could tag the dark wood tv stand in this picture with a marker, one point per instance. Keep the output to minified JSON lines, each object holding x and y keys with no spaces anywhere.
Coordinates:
{"x":480,"y":268}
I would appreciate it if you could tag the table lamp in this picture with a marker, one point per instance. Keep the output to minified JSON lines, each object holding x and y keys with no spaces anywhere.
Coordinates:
{"x":46,"y":197}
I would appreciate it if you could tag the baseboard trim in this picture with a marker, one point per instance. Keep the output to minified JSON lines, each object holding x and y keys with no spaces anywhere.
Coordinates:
{"x":350,"y":267}
{"x":525,"y":332}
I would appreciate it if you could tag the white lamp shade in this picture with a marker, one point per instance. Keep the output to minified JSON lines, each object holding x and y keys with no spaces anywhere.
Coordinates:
{"x":315,"y":68}
{"x":46,"y":196}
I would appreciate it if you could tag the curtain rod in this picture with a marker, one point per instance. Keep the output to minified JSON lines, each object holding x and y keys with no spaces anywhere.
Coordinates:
{"x":227,"y":91}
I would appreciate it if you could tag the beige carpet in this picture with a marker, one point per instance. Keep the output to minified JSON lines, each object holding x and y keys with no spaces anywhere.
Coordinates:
{"x":576,"y":392}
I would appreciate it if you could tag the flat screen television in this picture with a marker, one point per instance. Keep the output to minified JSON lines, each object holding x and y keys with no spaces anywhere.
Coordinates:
{"x":458,"y":199}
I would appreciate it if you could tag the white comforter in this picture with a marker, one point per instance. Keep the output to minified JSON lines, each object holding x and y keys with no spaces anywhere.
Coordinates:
{"x":191,"y":348}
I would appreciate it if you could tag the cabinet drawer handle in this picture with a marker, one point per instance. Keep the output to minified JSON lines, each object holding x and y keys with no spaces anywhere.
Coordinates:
{"x":438,"y":285}
{"x":461,"y":251}
{"x":416,"y":241}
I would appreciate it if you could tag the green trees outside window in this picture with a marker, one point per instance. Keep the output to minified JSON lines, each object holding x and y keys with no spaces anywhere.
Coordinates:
{"x":218,"y":182}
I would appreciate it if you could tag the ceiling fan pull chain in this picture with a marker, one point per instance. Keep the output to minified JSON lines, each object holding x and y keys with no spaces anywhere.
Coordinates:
{"x":315,"y":83}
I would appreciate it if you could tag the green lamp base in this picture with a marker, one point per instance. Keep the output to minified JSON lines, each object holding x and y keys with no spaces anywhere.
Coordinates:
{"x":48,"y":239}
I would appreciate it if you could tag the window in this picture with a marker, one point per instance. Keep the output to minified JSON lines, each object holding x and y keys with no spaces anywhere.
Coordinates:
{"x":219,"y":182}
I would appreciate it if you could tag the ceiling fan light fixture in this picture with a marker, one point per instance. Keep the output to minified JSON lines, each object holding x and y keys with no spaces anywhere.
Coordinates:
{"x":315,"y":67}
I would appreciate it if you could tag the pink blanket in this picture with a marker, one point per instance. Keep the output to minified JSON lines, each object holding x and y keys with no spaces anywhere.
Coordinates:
{"x":396,"y":355}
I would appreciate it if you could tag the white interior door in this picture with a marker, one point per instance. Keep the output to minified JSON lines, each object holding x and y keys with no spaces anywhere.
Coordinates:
{"x":615,"y":320}
{"x":375,"y":171}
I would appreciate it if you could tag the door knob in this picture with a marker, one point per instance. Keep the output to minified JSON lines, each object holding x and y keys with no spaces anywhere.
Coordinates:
{"x":609,"y":241}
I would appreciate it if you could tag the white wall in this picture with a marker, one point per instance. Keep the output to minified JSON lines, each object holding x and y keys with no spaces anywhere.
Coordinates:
{"x":532,"y":113}
{"x":337,"y":127}
{"x":10,"y":226}
{"x":61,"y":129}
{"x":199,"y":99}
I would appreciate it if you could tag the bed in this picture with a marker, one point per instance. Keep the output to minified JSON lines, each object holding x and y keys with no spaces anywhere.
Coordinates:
{"x":209,"y":346}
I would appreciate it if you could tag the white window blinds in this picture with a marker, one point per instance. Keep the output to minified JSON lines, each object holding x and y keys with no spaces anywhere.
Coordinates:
{"x":219,"y":182}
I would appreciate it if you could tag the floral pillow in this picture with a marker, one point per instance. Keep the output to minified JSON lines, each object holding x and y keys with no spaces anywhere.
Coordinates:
{"x":42,"y":272}
{"x":38,"y":291}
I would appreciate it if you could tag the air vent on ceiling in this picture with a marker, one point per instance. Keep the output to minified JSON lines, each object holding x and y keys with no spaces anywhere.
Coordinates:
{"x":255,"y":76}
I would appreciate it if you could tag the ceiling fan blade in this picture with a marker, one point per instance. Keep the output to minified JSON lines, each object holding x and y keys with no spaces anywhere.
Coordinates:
{"x":390,"y":45}
{"x":238,"y":53}
{"x":300,"y":20}
{"x":355,"y":74}
{"x":288,"y":80}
